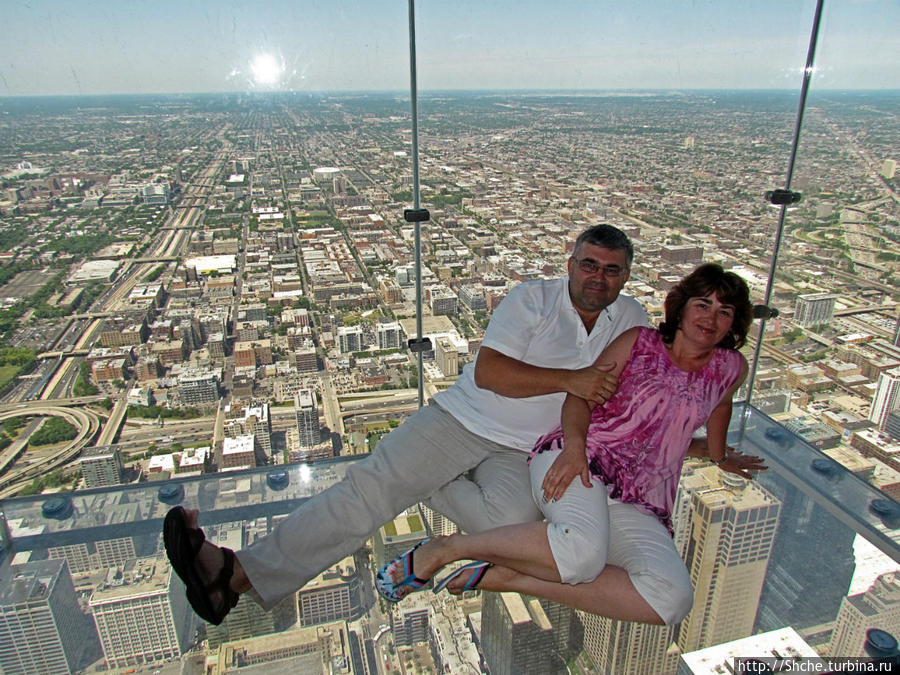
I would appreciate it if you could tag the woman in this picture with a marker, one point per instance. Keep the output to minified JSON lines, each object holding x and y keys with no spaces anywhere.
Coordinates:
{"x":606,"y":545}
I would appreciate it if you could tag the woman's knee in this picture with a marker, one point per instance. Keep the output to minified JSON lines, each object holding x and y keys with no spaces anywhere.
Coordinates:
{"x":580,"y":556}
{"x":671,"y":597}
{"x":682,"y":600}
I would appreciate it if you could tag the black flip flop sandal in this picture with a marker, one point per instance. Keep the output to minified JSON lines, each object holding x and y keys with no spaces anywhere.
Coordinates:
{"x":182,"y":544}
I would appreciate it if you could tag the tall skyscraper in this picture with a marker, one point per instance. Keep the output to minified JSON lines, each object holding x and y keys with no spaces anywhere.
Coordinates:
{"x":814,"y":308}
{"x":879,"y":607}
{"x":388,"y":335}
{"x":892,"y":425}
{"x":438,"y":524}
{"x":630,"y":648}
{"x":794,"y":576}
{"x":42,"y":628}
{"x":627,"y":647}
{"x":889,"y":168}
{"x":334,"y":595}
{"x":517,"y":636}
{"x":101,"y":466}
{"x":446,"y":357}
{"x":397,"y":536}
{"x":198,"y":389}
{"x":410,"y":620}
{"x":307,"y":418}
{"x":141,"y":614}
{"x":887,"y":397}
{"x":568,"y":629}
{"x":350,"y":339}
{"x":732,"y":530}
{"x":248,"y":619}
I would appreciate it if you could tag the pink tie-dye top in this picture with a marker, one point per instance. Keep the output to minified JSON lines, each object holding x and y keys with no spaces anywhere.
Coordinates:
{"x":637,"y":440}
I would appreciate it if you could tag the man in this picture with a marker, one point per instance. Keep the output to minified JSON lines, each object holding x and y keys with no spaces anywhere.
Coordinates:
{"x":541,"y":344}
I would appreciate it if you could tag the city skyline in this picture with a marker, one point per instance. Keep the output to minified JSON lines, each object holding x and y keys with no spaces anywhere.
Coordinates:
{"x":179,"y":268}
{"x":107,"y":48}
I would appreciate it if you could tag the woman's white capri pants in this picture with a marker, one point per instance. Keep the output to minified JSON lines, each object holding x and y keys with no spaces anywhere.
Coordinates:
{"x":587,"y":530}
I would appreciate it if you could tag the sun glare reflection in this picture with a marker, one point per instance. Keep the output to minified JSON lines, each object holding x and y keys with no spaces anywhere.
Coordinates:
{"x":305,"y":473}
{"x":266,"y":70}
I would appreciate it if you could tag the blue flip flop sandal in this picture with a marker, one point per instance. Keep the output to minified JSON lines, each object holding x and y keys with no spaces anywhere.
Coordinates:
{"x":476,"y":571}
{"x":395,"y":591}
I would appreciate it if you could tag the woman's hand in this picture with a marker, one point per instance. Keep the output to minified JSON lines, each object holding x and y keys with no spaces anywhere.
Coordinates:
{"x":737,"y":462}
{"x":568,"y":465}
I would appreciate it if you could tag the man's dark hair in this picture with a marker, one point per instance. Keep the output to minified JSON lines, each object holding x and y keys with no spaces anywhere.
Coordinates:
{"x":606,"y":236}
{"x":729,"y":288}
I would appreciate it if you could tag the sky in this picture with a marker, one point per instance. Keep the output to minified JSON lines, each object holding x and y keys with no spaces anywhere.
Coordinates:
{"x":58,"y":47}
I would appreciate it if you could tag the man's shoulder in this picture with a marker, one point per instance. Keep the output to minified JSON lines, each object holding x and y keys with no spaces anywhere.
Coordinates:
{"x":629,"y":309}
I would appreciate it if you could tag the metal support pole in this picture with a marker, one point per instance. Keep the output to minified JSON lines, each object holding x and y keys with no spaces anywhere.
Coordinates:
{"x":779,"y":231}
{"x":413,"y":96}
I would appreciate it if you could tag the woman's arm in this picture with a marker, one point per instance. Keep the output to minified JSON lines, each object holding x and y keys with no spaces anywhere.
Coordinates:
{"x":736,"y":461}
{"x":576,"y":417}
{"x":717,"y":424}
{"x":572,"y":461}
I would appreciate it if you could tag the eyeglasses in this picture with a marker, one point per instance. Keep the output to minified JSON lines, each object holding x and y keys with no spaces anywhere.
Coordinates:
{"x":589,"y":266}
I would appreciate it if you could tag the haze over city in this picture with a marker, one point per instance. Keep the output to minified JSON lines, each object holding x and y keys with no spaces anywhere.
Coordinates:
{"x":107,"y":47}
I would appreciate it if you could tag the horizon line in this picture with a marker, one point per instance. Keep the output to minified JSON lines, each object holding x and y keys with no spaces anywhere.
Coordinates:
{"x":405,"y":92}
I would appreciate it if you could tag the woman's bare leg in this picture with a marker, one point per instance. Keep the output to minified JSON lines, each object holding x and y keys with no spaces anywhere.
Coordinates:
{"x":522,"y":547}
{"x":612,"y":594}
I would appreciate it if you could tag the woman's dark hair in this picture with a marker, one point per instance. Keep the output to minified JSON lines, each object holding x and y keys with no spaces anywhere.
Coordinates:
{"x":729,"y":288}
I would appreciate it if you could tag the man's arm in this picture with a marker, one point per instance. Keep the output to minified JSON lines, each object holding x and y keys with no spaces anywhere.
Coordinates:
{"x":514,"y":378}
{"x":511,"y":377}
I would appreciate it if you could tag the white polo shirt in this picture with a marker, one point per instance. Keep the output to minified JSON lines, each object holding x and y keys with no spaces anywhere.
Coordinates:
{"x":538,"y":324}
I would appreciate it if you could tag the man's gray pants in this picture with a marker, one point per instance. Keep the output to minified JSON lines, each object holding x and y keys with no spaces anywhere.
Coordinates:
{"x":422,"y":460}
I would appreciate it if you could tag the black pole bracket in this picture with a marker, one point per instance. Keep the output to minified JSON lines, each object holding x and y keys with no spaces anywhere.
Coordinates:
{"x":764,"y":312}
{"x":781,"y":197}
{"x":419,"y":344}
{"x":416,"y":215}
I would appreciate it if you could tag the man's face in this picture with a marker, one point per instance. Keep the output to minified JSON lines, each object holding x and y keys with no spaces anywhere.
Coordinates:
{"x":596,"y":276}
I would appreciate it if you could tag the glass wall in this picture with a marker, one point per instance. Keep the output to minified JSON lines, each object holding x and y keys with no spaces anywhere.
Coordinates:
{"x":202,"y":211}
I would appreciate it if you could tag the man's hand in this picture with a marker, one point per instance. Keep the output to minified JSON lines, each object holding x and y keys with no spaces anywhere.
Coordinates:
{"x":568,"y":465}
{"x":595,"y":384}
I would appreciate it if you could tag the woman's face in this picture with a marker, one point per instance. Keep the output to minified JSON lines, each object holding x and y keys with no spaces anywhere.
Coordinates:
{"x":705,"y":321}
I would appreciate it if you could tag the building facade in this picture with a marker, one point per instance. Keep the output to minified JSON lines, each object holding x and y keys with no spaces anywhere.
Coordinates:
{"x":101,"y":466}
{"x":140,"y":617}
{"x":307,"y":417}
{"x":813,"y":309}
{"x":887,"y":397}
{"x":729,"y":542}
{"x":42,"y":628}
